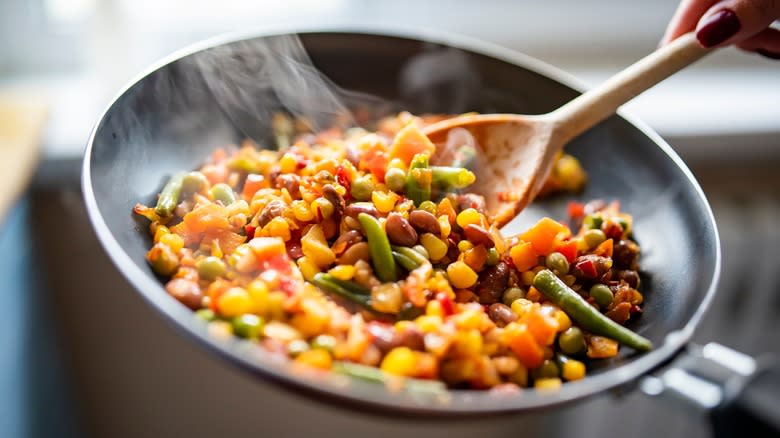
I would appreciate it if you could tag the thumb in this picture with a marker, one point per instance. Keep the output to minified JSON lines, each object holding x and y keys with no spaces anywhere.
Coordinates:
{"x":732,"y":21}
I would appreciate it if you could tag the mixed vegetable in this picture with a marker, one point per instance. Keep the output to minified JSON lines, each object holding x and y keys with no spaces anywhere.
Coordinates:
{"x":364,"y":253}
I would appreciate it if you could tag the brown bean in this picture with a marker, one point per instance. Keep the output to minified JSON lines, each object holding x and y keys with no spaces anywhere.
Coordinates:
{"x":186,"y":291}
{"x":492,"y":282}
{"x":385,"y":337}
{"x":399,"y":231}
{"x":335,"y":198}
{"x":478,"y":236}
{"x":290,"y":182}
{"x":346,"y":240}
{"x":625,"y":254}
{"x":501,"y":314}
{"x":471,"y":200}
{"x":351,"y":255}
{"x":354,"y":209}
{"x":271,"y":210}
{"x":424,"y":222}
{"x":630,"y":276}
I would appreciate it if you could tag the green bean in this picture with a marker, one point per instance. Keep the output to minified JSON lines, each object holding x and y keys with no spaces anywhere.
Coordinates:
{"x":169,"y":197}
{"x":448,"y":178}
{"x":373,"y":374}
{"x":587,"y":317}
{"x":405,"y":261}
{"x":418,"y":180}
{"x":222,"y":192}
{"x":331,"y":287}
{"x":351,"y":286}
{"x":378,"y":247}
{"x":410,"y":253}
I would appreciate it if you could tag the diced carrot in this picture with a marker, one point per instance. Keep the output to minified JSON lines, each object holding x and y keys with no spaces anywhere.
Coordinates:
{"x":542,"y":235}
{"x":267,"y":247}
{"x":568,"y":248}
{"x":542,"y":327}
{"x":600,"y":347}
{"x":604,"y":249}
{"x":409,"y":142}
{"x":252,"y":184}
{"x":523,"y":256}
{"x":205,"y":217}
{"x":190,"y":237}
{"x":376,"y":162}
{"x":522,"y":343}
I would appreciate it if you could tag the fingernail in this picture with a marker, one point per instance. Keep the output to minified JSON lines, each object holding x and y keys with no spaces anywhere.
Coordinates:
{"x":718,"y":27}
{"x":768,"y":54}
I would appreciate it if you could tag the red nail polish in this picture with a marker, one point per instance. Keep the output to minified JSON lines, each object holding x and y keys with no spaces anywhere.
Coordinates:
{"x":718,"y":27}
{"x":768,"y":54}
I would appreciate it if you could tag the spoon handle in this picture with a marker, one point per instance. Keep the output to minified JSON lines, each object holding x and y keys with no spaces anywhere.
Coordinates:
{"x":597,"y":104}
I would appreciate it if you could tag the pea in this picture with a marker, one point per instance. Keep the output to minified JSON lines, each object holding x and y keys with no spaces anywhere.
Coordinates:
{"x":324,"y":342}
{"x":428,"y":206}
{"x":492,"y":257}
{"x":194,"y":182}
{"x":572,"y":341}
{"x":592,"y":222}
{"x":223,"y":193}
{"x":210,"y":268}
{"x":558,"y":263}
{"x":602,"y":294}
{"x":206,"y":315}
{"x":421,"y":249}
{"x":297,"y":346}
{"x":248,"y":326}
{"x":395,"y":179}
{"x":362,"y":188}
{"x":594,"y":237}
{"x":548,"y":370}
{"x":512,"y":294}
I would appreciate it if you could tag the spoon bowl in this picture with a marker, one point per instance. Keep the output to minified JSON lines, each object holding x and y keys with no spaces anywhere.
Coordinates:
{"x":516,"y":152}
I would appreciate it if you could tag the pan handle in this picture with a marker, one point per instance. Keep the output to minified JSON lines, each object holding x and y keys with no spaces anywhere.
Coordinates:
{"x":739,"y":394}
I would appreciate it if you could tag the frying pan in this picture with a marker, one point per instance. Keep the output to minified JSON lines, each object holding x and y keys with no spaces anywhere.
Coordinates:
{"x":170,"y":119}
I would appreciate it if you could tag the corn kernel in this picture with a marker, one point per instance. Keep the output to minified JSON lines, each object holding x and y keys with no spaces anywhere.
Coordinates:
{"x":446,"y":228}
{"x":397,"y":163}
{"x":428,"y":323}
{"x":173,"y":241}
{"x":468,"y":343}
{"x":520,"y":377}
{"x":288,"y":163}
{"x":521,"y":306}
{"x":384,"y":201}
{"x":277,"y":227}
{"x":564,"y":322}
{"x":435,"y":247}
{"x":547,"y":384}
{"x":527,"y":278}
{"x":258,"y":294}
{"x":317,"y":358}
{"x":461,"y":275}
{"x":399,"y":361}
{"x":433,"y":308}
{"x":160,"y":231}
{"x":308,"y":268}
{"x":469,"y":319}
{"x":469,"y":216}
{"x":343,"y":272}
{"x":464,"y":245}
{"x":573,"y":370}
{"x":275,"y":306}
{"x":302,"y":211}
{"x":234,"y":302}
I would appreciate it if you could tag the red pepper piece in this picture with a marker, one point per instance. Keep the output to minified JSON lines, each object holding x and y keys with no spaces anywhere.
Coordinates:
{"x":588,"y":268}
{"x":446,"y":303}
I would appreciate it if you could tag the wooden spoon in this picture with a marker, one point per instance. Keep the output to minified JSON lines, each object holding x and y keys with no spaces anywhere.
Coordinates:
{"x":517,"y":151}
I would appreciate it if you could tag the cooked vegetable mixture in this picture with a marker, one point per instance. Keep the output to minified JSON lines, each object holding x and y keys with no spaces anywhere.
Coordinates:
{"x":365,"y":254}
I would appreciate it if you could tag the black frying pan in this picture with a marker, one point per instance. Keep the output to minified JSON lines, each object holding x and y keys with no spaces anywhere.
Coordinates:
{"x":170,"y":120}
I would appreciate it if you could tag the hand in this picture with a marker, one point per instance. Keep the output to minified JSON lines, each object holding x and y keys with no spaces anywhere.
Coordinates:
{"x":743,"y":23}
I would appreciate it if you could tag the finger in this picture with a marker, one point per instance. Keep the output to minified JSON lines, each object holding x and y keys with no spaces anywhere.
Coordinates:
{"x":766,"y":43}
{"x":733,"y":21}
{"x":685,"y":18}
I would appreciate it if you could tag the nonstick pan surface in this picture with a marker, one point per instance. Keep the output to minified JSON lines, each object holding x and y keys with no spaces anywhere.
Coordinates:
{"x":169,"y":120}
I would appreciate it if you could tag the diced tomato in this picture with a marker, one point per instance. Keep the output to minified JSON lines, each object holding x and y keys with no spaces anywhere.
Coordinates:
{"x":568,"y":248}
{"x":576,"y":209}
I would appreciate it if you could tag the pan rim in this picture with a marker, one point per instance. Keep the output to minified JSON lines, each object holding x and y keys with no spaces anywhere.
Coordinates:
{"x":374,"y":397}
